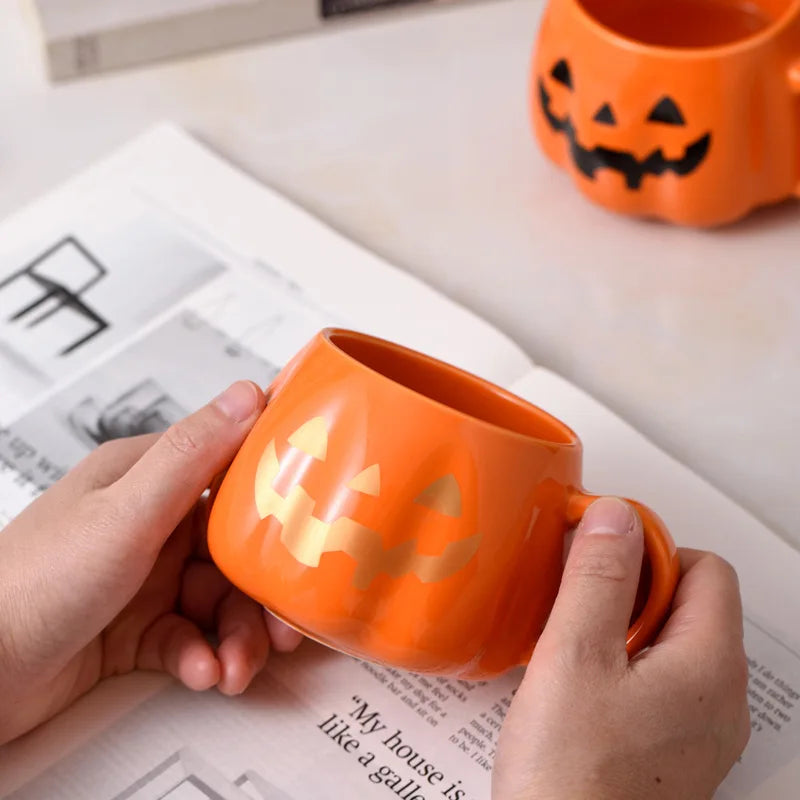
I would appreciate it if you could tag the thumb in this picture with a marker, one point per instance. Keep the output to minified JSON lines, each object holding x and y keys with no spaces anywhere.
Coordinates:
{"x":592,"y":612}
{"x":157,"y":492}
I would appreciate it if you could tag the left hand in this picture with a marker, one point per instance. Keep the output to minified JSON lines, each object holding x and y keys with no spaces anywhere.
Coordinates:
{"x":108,"y":571}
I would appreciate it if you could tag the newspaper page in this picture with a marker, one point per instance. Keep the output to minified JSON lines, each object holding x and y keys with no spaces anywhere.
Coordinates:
{"x":125,"y":303}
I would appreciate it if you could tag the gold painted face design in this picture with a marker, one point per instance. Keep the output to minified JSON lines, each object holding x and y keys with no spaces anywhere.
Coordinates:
{"x":307,"y":537}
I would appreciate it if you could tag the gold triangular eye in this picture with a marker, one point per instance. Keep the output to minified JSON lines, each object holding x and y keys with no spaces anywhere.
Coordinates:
{"x":443,"y":496}
{"x":367,"y":481}
{"x":312,"y":438}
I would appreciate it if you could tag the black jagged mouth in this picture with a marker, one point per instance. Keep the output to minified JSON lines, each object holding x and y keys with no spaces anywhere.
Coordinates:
{"x":589,"y":161}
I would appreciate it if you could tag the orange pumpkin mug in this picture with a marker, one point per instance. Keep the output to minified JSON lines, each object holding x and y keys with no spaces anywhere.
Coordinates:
{"x":400,"y":510}
{"x":686,"y":110}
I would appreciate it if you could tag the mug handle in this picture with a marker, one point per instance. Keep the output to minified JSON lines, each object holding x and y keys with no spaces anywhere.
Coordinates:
{"x":662,"y":556}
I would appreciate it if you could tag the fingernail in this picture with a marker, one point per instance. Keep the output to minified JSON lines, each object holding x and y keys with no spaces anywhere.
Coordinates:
{"x":239,"y":401}
{"x":609,"y":515}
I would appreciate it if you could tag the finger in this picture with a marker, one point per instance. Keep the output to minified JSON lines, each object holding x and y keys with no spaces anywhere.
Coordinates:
{"x":174,"y":645}
{"x":243,"y":642}
{"x":282,"y":638}
{"x":104,"y":465}
{"x":707,"y":601}
{"x":202,"y":590}
{"x":590,"y":618}
{"x":160,"y":488}
{"x":689,"y":557}
{"x":111,"y":460}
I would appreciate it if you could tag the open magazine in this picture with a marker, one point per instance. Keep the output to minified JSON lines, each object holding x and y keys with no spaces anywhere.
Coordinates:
{"x":142,"y":288}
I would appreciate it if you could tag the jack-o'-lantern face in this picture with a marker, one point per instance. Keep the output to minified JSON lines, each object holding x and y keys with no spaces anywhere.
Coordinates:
{"x":591,"y":157}
{"x":683,"y":111}
{"x":281,"y":497}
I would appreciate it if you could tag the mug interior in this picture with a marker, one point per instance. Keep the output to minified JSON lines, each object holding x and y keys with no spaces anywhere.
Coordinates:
{"x":686,"y":23}
{"x":458,"y":390}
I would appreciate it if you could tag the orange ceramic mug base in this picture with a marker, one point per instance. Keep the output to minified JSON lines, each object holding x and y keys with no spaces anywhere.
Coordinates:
{"x":405,"y":512}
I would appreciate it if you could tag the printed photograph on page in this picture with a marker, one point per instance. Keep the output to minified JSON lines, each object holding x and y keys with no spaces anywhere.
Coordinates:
{"x":186,"y":324}
{"x":145,"y":388}
{"x":70,"y":296}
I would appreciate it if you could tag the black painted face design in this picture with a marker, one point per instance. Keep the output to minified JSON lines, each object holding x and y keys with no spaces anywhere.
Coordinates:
{"x":588,"y":161}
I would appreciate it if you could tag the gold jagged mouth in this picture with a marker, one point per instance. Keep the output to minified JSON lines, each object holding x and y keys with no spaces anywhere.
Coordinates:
{"x":306,"y":537}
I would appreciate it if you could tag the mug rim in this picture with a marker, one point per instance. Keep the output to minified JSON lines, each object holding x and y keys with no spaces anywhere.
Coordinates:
{"x":571,"y":439}
{"x":736,"y":47}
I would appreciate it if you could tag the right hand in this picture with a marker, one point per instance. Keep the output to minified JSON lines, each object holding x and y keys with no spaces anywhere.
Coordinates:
{"x":587,"y":722}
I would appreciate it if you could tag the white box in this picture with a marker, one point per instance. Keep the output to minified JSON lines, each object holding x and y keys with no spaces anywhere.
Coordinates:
{"x":82,"y":37}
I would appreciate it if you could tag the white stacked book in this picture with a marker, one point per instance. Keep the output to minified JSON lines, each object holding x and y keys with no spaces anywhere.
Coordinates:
{"x":82,"y":37}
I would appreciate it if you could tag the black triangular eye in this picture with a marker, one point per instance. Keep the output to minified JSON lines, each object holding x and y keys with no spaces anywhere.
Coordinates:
{"x":667,"y":112}
{"x":561,"y":73}
{"x":605,"y":116}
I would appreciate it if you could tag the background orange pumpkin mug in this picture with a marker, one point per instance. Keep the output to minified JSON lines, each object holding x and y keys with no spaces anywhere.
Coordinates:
{"x":686,"y":110}
{"x":400,"y":510}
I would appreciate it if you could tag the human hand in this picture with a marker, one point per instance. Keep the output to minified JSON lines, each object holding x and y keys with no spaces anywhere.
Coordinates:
{"x":586,"y":722}
{"x":108,"y":571}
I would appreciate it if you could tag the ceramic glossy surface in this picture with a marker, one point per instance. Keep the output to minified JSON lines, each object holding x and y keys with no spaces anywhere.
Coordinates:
{"x":405,"y":512}
{"x":686,"y":110}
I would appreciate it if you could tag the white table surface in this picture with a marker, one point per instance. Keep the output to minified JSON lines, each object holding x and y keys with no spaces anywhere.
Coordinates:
{"x":412,"y":136}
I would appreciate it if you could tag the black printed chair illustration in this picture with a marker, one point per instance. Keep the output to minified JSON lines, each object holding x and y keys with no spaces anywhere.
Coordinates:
{"x":56,"y":282}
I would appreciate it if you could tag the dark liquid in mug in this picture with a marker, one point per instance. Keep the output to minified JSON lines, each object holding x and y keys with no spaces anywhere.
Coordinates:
{"x":684,"y":23}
